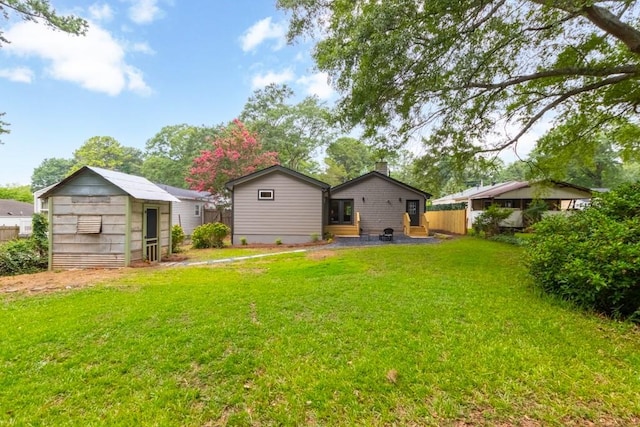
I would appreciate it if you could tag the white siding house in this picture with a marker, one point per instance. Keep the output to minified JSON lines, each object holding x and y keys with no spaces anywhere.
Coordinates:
{"x":189,"y":213}
{"x":16,"y":214}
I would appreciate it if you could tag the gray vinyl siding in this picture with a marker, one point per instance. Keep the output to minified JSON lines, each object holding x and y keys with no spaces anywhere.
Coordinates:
{"x":382,"y":206}
{"x":293,"y":216}
{"x":183,"y":214}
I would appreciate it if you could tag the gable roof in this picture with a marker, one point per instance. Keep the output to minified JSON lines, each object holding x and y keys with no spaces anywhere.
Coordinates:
{"x":135,"y":186}
{"x":373,"y":174}
{"x":185,"y":194}
{"x":276,"y":168}
{"x":15,"y":208}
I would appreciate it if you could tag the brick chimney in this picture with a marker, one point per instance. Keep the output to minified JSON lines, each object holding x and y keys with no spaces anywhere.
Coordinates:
{"x":383,"y":168}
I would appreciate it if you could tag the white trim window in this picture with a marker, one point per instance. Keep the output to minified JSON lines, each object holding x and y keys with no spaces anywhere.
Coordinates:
{"x":197,"y":211}
{"x":266,"y":194}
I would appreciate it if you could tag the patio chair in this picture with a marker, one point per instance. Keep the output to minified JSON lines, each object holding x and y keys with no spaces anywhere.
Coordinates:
{"x":387,"y":235}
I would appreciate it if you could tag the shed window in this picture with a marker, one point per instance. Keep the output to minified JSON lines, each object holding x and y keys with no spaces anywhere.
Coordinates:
{"x":197,"y":210}
{"x":265,"y":195}
{"x":89,"y":224}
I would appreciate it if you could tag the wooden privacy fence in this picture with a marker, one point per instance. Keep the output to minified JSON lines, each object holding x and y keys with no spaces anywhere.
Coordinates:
{"x":448,"y":221}
{"x":9,"y":232}
{"x":217,"y":215}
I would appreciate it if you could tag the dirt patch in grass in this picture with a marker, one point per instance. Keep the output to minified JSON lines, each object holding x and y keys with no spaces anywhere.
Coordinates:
{"x":321,"y":254}
{"x":50,"y":281}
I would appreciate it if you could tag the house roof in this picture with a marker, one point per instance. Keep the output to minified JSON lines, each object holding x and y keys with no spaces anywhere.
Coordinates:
{"x":373,"y":174}
{"x":276,"y":168}
{"x":136,"y":186}
{"x":516,"y":185}
{"x":184,"y":194}
{"x":468,"y":193}
{"x":15,"y":208}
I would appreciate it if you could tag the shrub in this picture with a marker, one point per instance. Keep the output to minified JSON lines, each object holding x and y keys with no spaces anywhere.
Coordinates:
{"x":315,"y":237}
{"x":278,"y":241}
{"x":593,"y":257}
{"x":534,"y":213}
{"x":39,"y":235}
{"x":508,"y":238}
{"x":488,"y":222}
{"x":20,"y":257}
{"x":243,"y":241}
{"x":210,"y":235}
{"x":177,"y":238}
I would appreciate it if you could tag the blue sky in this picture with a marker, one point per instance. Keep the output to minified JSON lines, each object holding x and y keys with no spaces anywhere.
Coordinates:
{"x":143,"y":64}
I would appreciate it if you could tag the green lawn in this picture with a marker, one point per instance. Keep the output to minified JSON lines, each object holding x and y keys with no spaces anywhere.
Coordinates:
{"x":408,"y":335}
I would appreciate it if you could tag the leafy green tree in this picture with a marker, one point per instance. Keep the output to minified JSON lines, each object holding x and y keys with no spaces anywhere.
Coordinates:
{"x":39,"y":11}
{"x":105,"y":152}
{"x":49,"y":172}
{"x":465,"y":71}
{"x":169,"y":154}
{"x":296,"y":132}
{"x":347,"y":158}
{"x":21,"y":193}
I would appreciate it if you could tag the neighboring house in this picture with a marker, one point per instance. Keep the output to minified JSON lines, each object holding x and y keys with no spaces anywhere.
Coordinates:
{"x":14,"y":213}
{"x":518,"y":195}
{"x":106,"y":219}
{"x":189,"y":213}
{"x":277,"y":203}
{"x":374,"y":201}
{"x":40,"y":205}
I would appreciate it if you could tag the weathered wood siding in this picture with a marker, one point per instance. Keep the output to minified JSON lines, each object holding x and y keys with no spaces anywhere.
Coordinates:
{"x":293,"y":216}
{"x":183,"y":214}
{"x":383,"y":206}
{"x":165,"y":226}
{"x":105,"y":249}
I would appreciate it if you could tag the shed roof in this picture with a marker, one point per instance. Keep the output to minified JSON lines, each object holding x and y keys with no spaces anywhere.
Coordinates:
{"x":372,"y":174}
{"x":15,"y":208}
{"x":136,"y":186}
{"x":276,"y":168}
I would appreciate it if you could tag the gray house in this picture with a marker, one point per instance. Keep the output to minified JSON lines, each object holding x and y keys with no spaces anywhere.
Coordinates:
{"x":16,"y":214}
{"x":189,"y":213}
{"x":374,"y":201}
{"x":106,"y":219}
{"x":277,"y":203}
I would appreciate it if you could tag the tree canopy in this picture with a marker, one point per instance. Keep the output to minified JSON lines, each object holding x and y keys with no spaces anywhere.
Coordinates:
{"x":106,"y":152}
{"x":235,"y":152}
{"x":294,"y":131}
{"x":169,"y":154}
{"x":38,"y":11}
{"x":50,"y":171}
{"x":477,"y":74}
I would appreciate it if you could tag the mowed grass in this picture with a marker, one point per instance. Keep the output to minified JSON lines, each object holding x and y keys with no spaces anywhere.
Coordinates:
{"x":441,"y":334}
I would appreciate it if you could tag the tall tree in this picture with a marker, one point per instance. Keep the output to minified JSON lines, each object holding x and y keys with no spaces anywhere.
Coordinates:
{"x":465,"y":70}
{"x":169,"y":154}
{"x":347,"y":158}
{"x":49,"y":172}
{"x":38,"y":11}
{"x":106,"y":152}
{"x":232,"y":154}
{"x":295,"y":131}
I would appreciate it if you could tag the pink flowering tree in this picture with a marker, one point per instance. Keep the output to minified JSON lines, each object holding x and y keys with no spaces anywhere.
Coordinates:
{"x":235,"y":153}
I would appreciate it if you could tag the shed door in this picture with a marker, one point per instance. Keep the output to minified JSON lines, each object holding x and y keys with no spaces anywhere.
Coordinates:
{"x":150,"y":230}
{"x":414,"y":211}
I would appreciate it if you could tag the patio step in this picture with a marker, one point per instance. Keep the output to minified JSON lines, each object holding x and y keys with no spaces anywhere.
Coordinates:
{"x":416,"y":231}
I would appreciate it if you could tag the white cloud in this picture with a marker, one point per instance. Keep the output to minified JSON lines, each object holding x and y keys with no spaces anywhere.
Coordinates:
{"x":144,"y":11}
{"x":317,"y":84}
{"x":262,"y":80}
{"x":18,"y":74}
{"x":95,"y":61}
{"x":142,"y":47}
{"x":101,"y":12}
{"x":261,"y":31}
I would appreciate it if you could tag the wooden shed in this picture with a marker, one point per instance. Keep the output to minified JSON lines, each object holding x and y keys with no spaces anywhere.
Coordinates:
{"x":105,"y":219}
